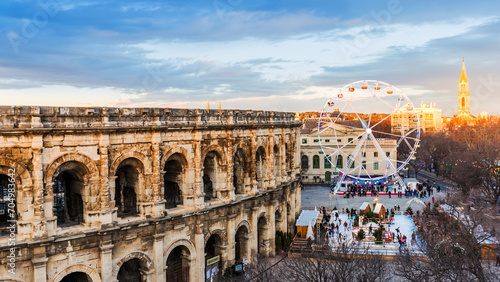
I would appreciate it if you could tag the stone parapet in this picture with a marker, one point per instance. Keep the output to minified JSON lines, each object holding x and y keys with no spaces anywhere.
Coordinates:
{"x":39,"y":117}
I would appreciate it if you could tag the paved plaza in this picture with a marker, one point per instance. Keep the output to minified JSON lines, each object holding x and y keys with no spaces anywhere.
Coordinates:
{"x":318,"y":196}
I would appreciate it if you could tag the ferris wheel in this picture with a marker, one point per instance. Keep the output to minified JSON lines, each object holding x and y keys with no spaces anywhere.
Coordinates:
{"x":356,"y":135}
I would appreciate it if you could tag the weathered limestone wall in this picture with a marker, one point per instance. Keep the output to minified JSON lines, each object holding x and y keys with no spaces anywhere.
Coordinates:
{"x":93,"y":147}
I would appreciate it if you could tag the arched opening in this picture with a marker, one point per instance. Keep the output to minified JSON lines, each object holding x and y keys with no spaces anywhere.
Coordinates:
{"x":178,"y":265}
{"x":76,"y":277}
{"x":68,"y":191}
{"x":127,"y":186}
{"x":260,"y":167}
{"x":315,"y":161}
{"x":463,"y":102}
{"x":304,"y":160}
{"x":210,"y":175}
{"x":173,"y":180}
{"x":239,"y":172}
{"x":277,"y":221}
{"x":340,"y":161}
{"x":241,"y":244}
{"x":262,"y":238}
{"x":8,"y":206}
{"x":131,"y":271}
{"x":213,"y":254}
{"x":277,"y":164}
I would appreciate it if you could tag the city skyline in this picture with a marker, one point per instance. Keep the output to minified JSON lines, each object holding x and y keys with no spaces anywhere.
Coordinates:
{"x":269,"y":55}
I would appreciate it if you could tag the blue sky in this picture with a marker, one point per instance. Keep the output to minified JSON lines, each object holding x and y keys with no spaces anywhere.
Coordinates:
{"x":283,"y":55}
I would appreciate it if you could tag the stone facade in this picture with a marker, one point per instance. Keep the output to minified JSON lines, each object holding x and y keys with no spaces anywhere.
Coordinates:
{"x":121,"y":194}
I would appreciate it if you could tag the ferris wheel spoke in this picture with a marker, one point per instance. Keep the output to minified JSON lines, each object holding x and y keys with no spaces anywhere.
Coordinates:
{"x":394,"y":135}
{"x":371,"y":111}
{"x":380,"y":150}
{"x":359,"y":118}
{"x":382,"y":120}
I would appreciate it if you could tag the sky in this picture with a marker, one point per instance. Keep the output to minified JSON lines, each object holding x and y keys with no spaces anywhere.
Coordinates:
{"x":282,"y":55}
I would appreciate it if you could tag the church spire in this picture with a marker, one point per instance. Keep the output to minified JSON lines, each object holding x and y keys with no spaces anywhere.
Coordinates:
{"x":463,"y":75}
{"x":208,"y":104}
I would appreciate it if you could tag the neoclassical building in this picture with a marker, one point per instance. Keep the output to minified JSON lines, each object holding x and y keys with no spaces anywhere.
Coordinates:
{"x":142,"y":194}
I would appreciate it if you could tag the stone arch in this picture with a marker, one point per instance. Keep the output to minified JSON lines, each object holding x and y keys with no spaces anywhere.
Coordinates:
{"x":145,"y":160}
{"x":174,"y":178}
{"x":176,"y":150}
{"x":180,"y":242}
{"x":23,"y":182}
{"x":245,"y":223}
{"x":129,"y":186}
{"x":145,"y":260}
{"x":261,"y":166}
{"x":185,"y":262}
{"x":21,"y":171}
{"x":217,"y":149}
{"x":89,"y":164}
{"x":220,"y":232}
{"x":90,"y":271}
{"x":213,"y":172}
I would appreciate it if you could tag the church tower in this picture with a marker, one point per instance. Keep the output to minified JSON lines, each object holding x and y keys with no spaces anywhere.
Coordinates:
{"x":463,"y":94}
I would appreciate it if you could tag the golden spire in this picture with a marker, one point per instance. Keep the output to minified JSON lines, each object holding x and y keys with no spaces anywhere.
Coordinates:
{"x":208,"y":105}
{"x":463,"y":75}
{"x":219,"y":105}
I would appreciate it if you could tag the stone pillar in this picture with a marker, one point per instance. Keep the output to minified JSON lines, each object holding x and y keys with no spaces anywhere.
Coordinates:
{"x":298,"y":199}
{"x":254,"y":239}
{"x":198,"y":177}
{"x":155,"y":177}
{"x":230,"y":163}
{"x":39,"y":226}
{"x":199,"y":265}
{"x":231,"y":243}
{"x":271,"y":229}
{"x":107,"y":262}
{"x":158,"y":257}
{"x":253,"y":151}
{"x":39,"y":262}
{"x":104,"y":187}
{"x":270,"y":161}
{"x":158,"y":200}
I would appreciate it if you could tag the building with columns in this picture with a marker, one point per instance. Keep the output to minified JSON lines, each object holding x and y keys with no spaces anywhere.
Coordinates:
{"x":142,"y":194}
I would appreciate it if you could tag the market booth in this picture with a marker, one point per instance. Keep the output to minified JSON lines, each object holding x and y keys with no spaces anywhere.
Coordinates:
{"x":306,"y":217}
{"x":379,"y":211}
{"x":365,"y":208}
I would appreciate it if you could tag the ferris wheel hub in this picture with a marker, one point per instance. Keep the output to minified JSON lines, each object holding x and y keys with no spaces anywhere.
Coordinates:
{"x":368,"y":130}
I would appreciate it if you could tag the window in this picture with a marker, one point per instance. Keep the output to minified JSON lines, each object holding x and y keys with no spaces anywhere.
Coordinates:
{"x":339,"y":140}
{"x":316,"y":161}
{"x":375,"y":165}
{"x":349,"y":140}
{"x":327,"y":140}
{"x":340,"y":162}
{"x":316,"y":140}
{"x":388,"y":154}
{"x":350,"y":159}
{"x":375,"y":154}
{"x":305,"y":162}
{"x":363,"y":163}
{"x":363,"y":154}
{"x":304,"y":141}
{"x":327,"y":162}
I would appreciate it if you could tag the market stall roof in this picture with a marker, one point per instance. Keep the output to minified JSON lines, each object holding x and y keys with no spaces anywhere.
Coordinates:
{"x":364,"y":205}
{"x":307,"y":216}
{"x":378,"y":207}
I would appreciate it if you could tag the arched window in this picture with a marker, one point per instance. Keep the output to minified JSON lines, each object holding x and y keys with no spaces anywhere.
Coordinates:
{"x":340,"y":162}
{"x":316,"y":161}
{"x":328,"y":164}
{"x":463,"y":102}
{"x":305,"y":162}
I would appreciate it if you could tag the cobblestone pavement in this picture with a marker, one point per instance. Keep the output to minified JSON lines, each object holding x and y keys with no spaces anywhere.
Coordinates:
{"x":317,"y":196}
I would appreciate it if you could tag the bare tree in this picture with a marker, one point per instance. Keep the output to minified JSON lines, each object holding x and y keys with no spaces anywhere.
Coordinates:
{"x":453,"y":242}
